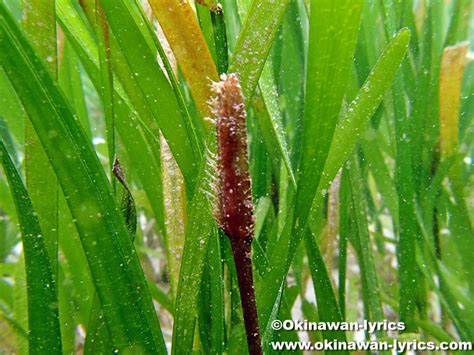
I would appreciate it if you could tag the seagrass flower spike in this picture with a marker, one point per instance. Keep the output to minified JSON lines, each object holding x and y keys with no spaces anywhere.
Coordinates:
{"x":234,"y":206}
{"x":234,"y":194}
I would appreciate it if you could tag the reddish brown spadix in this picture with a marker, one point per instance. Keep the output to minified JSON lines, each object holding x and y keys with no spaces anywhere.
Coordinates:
{"x":234,"y":203}
{"x":235,"y":207}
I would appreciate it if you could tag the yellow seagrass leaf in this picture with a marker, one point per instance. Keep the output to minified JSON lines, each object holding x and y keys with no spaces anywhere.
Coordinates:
{"x":180,"y":26}
{"x":452,"y":67}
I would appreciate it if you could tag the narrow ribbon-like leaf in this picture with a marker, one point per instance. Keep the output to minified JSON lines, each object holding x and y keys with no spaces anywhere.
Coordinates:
{"x":331,"y":50}
{"x":254,"y":42}
{"x":199,"y":228}
{"x":360,"y":110}
{"x":345,"y":138}
{"x":40,"y":26}
{"x":179,"y":23}
{"x":43,"y":319}
{"x":250,"y":62}
{"x":174,"y":201}
{"x":114,"y":265}
{"x":363,"y":245}
{"x":329,"y":65}
{"x":98,"y":337}
{"x":155,"y":91}
{"x":452,"y":67}
{"x":328,"y":308}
